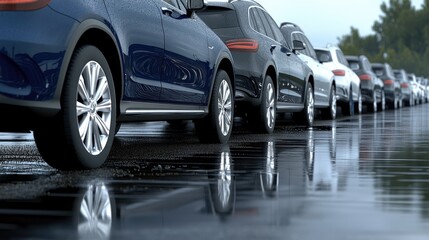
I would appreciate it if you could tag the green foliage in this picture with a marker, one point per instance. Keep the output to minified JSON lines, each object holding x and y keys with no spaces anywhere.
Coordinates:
{"x":401,"y":38}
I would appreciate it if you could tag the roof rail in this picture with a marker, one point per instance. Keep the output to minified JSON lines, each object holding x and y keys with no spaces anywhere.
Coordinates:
{"x":291,"y":24}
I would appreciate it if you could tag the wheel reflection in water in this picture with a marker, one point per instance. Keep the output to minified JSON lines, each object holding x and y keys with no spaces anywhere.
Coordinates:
{"x":269,"y":177}
{"x":224,"y":182}
{"x":95,"y":217}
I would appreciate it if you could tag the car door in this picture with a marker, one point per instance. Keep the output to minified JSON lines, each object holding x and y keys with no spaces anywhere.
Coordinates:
{"x":142,"y":46}
{"x":291,"y":79}
{"x":186,"y":59}
{"x":322,"y":76}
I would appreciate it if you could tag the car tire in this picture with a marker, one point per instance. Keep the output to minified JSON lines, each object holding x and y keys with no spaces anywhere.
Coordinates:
{"x":331,"y":112}
{"x":81,"y":136}
{"x":348,"y":108}
{"x":216,"y":127}
{"x":306,"y":116}
{"x":263,"y":118}
{"x":358,"y":104}
{"x":382,"y":104}
{"x":373,"y":105}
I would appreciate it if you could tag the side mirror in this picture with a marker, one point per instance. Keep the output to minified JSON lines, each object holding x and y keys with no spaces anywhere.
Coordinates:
{"x":298,"y":45}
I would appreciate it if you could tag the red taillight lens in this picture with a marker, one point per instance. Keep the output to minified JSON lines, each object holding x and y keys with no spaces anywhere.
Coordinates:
{"x":404,"y":85}
{"x":245,"y":45}
{"x":365,"y":77}
{"x":22,"y":5}
{"x":339,"y":72}
{"x":388,"y":82}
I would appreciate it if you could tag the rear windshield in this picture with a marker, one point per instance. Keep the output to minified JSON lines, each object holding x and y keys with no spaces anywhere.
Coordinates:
{"x":323,"y":56}
{"x":378,"y":71}
{"x":399,"y":76}
{"x":354,"y":65}
{"x":217,"y":18}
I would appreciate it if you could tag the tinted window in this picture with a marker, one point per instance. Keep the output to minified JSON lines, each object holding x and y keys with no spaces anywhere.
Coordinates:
{"x":257,"y":19}
{"x":366,"y":64}
{"x":278,"y":36}
{"x":266,"y":24}
{"x":379,"y":71}
{"x":341,"y":57}
{"x":311,"y":51}
{"x":354,"y":65}
{"x":309,"y":47}
{"x":217,"y":18}
{"x":324,"y":56}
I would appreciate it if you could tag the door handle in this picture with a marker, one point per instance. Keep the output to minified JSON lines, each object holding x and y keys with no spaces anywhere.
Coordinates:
{"x":166,"y":11}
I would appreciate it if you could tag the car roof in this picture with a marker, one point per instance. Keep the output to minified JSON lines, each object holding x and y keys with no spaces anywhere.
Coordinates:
{"x":378,"y":65}
{"x":352,"y":57}
{"x":230,"y":4}
{"x":291,"y":25}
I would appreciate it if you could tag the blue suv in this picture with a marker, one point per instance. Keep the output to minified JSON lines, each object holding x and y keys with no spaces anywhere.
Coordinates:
{"x":72,"y":71}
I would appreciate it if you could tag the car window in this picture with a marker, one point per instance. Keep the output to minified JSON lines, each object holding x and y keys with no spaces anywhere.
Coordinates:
{"x":323,"y":56}
{"x":366,"y":65}
{"x":341,"y":57}
{"x":302,"y":39}
{"x":219,"y":18}
{"x":354,"y":65}
{"x":278,"y":36}
{"x":267,"y":27}
{"x":309,"y":47}
{"x":378,"y":71}
{"x":257,"y":19}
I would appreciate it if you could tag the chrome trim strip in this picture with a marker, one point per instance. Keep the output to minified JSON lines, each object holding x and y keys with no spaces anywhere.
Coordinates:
{"x":138,"y":111}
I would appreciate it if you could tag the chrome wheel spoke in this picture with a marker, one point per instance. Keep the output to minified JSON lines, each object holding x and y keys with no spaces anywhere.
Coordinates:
{"x":224,"y":104}
{"x":94,"y":108}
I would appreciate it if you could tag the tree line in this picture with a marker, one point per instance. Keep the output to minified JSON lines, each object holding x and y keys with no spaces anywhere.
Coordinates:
{"x":401,"y":38}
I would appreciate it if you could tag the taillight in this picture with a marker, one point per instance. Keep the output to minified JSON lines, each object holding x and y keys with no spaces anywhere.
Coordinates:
{"x":22,"y":5}
{"x":404,"y":85}
{"x":245,"y":45}
{"x":339,"y":72}
{"x":388,"y":82}
{"x":365,"y":77}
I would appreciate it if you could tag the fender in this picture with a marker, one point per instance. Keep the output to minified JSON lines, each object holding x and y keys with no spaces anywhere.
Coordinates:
{"x":76,"y":36}
{"x":222,"y":56}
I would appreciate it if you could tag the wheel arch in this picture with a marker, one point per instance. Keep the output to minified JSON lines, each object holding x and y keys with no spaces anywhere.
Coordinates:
{"x":226,"y":63}
{"x":271,"y":71}
{"x":310,"y":80}
{"x":95,"y":33}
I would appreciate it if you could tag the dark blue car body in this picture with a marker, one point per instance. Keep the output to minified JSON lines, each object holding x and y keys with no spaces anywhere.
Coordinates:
{"x":163,"y":58}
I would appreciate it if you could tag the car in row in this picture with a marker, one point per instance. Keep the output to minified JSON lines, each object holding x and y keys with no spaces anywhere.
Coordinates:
{"x":165,"y":60}
{"x":348,"y":84}
{"x":106,"y":64}
{"x":270,"y":77}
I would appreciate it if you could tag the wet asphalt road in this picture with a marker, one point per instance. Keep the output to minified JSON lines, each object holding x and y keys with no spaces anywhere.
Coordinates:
{"x":361,"y":177}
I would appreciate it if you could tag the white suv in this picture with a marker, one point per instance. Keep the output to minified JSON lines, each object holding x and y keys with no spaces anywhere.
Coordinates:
{"x":348,"y":83}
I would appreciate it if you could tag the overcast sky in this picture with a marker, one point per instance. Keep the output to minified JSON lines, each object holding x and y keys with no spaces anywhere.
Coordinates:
{"x":325,"y":21}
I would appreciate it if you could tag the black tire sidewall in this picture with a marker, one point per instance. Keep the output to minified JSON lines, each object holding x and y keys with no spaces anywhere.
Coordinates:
{"x":82,"y":157}
{"x":208,"y":128}
{"x":264,"y":106}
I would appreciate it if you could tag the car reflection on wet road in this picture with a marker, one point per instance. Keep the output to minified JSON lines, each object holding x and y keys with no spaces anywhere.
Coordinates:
{"x":361,"y":177}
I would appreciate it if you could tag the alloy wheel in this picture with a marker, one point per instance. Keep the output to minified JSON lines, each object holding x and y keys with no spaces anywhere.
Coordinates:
{"x":224,"y":104}
{"x":93,"y":108}
{"x":310,"y":106}
{"x":270,"y":113}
